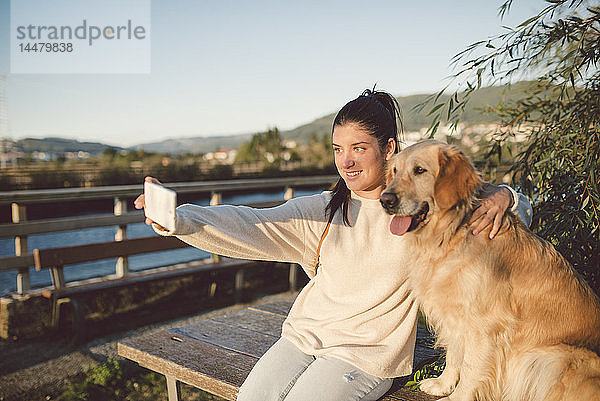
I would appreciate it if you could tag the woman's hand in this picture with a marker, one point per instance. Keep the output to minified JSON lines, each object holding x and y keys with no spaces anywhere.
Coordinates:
{"x":140,"y":201}
{"x":494,"y":204}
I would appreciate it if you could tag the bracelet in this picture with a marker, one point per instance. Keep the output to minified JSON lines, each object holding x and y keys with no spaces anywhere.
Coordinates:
{"x":515,"y":197}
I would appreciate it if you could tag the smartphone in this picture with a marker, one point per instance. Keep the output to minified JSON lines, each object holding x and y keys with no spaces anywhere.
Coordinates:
{"x":160,"y":205}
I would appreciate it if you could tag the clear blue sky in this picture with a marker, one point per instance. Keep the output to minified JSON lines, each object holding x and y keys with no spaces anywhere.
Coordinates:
{"x":222,"y":67}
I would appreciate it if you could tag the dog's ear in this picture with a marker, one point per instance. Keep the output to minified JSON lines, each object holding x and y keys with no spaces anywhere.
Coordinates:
{"x":457,"y":178}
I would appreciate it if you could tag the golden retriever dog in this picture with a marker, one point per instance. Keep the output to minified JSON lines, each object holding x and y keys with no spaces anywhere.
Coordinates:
{"x":517,"y":323}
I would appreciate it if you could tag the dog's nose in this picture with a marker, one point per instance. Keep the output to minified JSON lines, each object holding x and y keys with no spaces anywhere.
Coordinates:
{"x":388,"y":200}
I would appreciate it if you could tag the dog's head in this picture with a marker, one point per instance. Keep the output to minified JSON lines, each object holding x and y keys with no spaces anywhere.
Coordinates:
{"x":425,"y":179}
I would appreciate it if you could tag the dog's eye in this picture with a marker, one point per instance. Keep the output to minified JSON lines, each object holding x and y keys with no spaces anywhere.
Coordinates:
{"x":419,"y":170}
{"x":394,"y":170}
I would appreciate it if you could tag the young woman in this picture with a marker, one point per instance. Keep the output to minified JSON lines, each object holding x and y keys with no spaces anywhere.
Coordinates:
{"x":352,"y":328}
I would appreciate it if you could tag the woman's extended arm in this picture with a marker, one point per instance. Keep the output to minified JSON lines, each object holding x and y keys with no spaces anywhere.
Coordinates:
{"x":287,"y":233}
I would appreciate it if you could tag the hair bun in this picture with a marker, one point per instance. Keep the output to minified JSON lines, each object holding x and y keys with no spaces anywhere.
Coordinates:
{"x":368,"y":92}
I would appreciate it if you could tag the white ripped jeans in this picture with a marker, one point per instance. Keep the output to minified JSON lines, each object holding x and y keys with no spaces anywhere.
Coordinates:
{"x":286,"y":373}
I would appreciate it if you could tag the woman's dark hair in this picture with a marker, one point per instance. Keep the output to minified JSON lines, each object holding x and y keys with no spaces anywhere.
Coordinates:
{"x":376,"y":112}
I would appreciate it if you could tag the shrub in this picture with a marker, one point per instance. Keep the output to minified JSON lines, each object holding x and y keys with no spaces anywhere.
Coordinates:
{"x":557,"y":164}
{"x":7,"y":183}
{"x":118,"y":175}
{"x":120,"y":380}
{"x":54,"y":178}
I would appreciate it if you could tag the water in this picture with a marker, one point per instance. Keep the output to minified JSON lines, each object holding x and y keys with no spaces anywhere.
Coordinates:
{"x":104,"y":234}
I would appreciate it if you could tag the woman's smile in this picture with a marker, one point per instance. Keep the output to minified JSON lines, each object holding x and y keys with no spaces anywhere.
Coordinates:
{"x":353,"y":174}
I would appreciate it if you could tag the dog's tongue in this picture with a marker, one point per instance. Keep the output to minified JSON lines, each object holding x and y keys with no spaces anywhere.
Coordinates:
{"x":400,"y":224}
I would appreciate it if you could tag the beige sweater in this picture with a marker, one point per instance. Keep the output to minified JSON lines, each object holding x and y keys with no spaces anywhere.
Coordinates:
{"x":358,"y":308}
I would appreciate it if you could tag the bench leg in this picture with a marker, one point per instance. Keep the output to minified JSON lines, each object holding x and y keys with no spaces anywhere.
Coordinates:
{"x":56,"y":303}
{"x":239,"y":286}
{"x":293,"y":277}
{"x":78,"y":309}
{"x":173,"y":388}
{"x":212,"y":288}
{"x":78,"y":321}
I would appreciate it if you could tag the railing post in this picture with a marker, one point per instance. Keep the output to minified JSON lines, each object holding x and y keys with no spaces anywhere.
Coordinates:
{"x":288,"y":194}
{"x":19,"y":214}
{"x":216,"y":198}
{"x":122,"y":267}
{"x":58,"y":276}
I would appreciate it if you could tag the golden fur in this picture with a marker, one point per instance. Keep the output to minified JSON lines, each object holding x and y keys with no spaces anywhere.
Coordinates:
{"x":516,"y":321}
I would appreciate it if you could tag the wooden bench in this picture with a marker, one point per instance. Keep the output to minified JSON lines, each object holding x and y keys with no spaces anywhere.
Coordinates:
{"x":55,"y":259}
{"x":217,"y":354}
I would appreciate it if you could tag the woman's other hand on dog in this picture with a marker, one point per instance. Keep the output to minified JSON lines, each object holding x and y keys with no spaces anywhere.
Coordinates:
{"x":494,"y":204}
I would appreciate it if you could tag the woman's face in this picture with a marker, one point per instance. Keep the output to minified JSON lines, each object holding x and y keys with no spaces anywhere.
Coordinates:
{"x":359,"y":160}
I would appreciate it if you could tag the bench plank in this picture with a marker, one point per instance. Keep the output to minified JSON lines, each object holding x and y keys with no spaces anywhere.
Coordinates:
{"x":222,"y":335}
{"x":144,"y":276}
{"x":250,"y":319}
{"x":424,"y":347}
{"x":280,"y":308}
{"x":222,"y":371}
{"x":405,"y":394}
{"x":242,"y":337}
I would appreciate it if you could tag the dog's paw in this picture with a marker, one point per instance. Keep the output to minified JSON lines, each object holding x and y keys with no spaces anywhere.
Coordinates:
{"x":436,"y":386}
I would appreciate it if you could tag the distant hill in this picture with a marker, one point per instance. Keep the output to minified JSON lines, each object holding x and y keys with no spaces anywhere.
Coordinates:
{"x":195,"y":145}
{"x":484,"y":97}
{"x":413,"y":121}
{"x":60,"y":145}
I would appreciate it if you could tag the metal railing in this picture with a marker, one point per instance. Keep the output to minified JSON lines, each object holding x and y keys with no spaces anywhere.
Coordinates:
{"x":20,"y":228}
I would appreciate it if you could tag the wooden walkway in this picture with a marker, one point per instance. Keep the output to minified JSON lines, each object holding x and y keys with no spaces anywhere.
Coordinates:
{"x":217,"y":354}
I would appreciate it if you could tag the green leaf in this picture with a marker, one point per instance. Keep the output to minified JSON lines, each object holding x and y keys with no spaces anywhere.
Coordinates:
{"x":528,"y":21}
{"x":479,"y":72}
{"x":439,"y":94}
{"x":572,"y":79}
{"x":434,"y":130}
{"x":436,"y":108}
{"x":585,"y":202}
